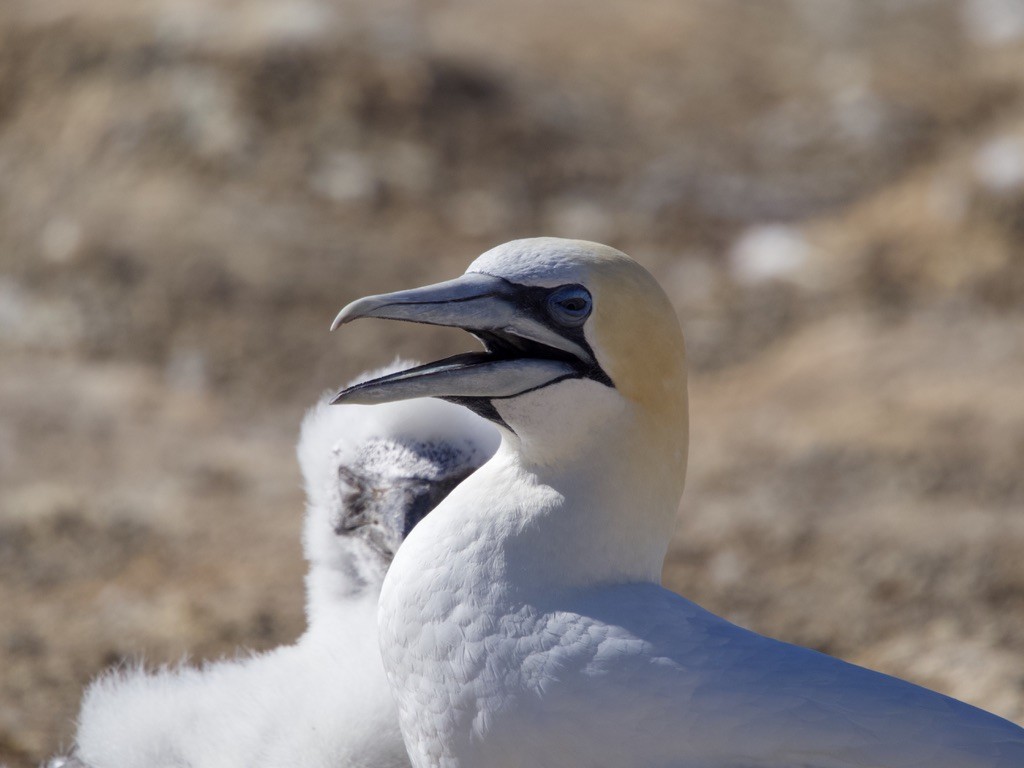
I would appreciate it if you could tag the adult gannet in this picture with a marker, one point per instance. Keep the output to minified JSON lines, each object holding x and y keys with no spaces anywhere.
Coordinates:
{"x":370,"y":475}
{"x":523,"y":624}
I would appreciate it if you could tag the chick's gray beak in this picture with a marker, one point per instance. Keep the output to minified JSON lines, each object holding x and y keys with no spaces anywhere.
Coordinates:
{"x":524,"y":353}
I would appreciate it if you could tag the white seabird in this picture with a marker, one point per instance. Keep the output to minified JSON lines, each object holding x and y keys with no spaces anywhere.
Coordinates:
{"x":370,"y":475}
{"x":523,"y":624}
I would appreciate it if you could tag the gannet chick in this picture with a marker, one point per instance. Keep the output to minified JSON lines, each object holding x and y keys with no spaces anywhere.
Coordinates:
{"x":522,"y":623}
{"x":370,"y":476}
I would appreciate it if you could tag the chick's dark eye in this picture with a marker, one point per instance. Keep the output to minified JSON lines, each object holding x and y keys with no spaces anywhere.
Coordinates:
{"x":570,"y":305}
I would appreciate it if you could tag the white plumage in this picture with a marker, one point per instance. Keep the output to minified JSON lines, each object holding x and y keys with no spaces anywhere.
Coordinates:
{"x":522,"y":623}
{"x":324,"y":701}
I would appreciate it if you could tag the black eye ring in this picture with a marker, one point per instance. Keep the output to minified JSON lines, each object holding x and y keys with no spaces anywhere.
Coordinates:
{"x":570,"y":305}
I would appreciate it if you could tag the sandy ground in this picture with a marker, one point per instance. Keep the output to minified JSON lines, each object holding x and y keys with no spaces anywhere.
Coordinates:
{"x":832,"y":194}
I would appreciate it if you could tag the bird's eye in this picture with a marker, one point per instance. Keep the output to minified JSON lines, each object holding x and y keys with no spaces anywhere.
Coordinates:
{"x":570,"y":305}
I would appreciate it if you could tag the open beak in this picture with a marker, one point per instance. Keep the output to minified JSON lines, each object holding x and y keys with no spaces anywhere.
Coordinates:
{"x":523,"y":351}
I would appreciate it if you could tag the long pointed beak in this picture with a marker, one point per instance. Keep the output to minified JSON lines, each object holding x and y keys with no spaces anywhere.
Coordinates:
{"x":504,"y":314}
{"x":471,"y":376}
{"x":433,"y":303}
{"x":473,"y":302}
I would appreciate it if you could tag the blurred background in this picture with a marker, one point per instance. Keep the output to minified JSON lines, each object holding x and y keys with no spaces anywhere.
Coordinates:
{"x":832,"y":192}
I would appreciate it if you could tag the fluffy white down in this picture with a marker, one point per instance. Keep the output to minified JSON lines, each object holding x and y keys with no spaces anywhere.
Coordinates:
{"x":320,"y":702}
{"x":323,"y":701}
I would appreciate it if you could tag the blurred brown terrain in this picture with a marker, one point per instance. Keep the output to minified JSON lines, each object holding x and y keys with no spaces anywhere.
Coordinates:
{"x":832,"y":191}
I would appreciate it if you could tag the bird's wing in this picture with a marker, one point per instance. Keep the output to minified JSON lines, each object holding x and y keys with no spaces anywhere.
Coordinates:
{"x":683,"y":682}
